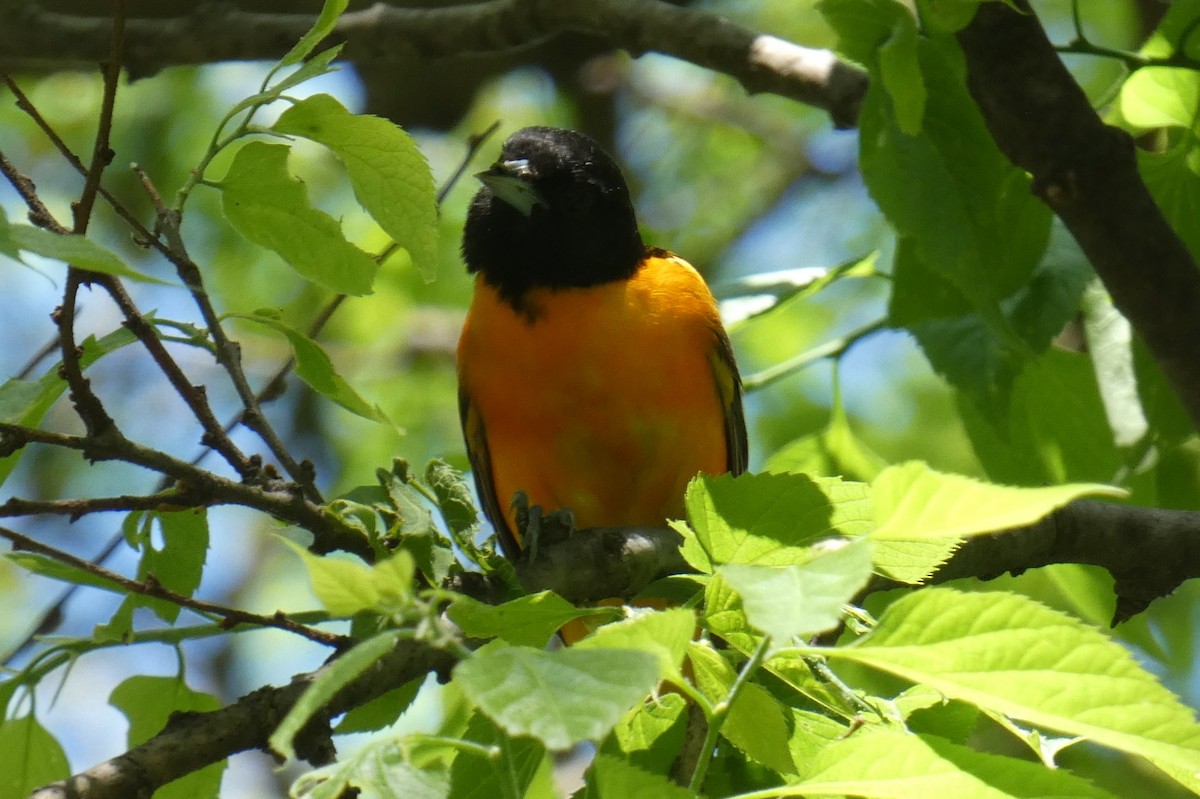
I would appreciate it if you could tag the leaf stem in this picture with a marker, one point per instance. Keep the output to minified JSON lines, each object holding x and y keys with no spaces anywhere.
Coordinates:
{"x":835,"y":348}
{"x":720,"y":712}
{"x":153,"y":588}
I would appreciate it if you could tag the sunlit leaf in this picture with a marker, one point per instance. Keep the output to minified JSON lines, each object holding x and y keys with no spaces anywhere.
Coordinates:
{"x":912,"y":501}
{"x":388,"y":172}
{"x":270,"y":208}
{"x":787,"y":601}
{"x":561,"y":698}
{"x":73,"y":250}
{"x":664,"y":634}
{"x":32,"y":757}
{"x":529,"y":620}
{"x":612,"y":778}
{"x":893,"y":765}
{"x":314,"y":367}
{"x":330,"y":11}
{"x":764,"y":519}
{"x":149,"y":703}
{"x":1011,"y":655}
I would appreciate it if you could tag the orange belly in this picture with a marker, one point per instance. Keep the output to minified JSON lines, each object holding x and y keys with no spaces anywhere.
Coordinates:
{"x":606,"y":401}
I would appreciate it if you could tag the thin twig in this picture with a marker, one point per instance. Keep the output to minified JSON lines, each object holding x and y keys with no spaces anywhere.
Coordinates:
{"x":39,"y":214}
{"x":86,"y":403}
{"x":474,"y":143}
{"x":328,"y":531}
{"x":228,"y":352}
{"x":51,"y":616}
{"x":45,"y":352}
{"x":102,"y":153}
{"x":142,"y":233}
{"x":151,"y":587}
{"x":194,"y":396}
{"x":835,"y":348}
{"x":174,"y":498}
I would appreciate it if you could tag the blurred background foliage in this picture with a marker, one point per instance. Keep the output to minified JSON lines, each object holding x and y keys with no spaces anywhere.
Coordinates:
{"x":737,"y":185}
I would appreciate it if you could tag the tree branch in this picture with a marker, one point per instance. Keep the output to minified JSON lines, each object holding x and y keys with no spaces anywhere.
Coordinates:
{"x":191,"y":741}
{"x":384,"y":33}
{"x":329,"y":532}
{"x":1087,"y":173}
{"x":1149,"y":551}
{"x":151,"y":587}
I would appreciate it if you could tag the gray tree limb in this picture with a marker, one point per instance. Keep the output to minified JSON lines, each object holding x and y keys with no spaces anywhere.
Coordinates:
{"x":1087,"y":173}
{"x":1148,"y":551}
{"x":191,"y":741}
{"x":383,"y":33}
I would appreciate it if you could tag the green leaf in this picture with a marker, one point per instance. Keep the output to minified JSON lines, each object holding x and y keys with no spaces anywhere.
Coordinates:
{"x":454,"y":501}
{"x":787,"y":601}
{"x":526,"y":621}
{"x":1173,"y":177}
{"x":330,"y":11}
{"x":913,"y":561}
{"x":318,"y":65}
{"x":394,"y":577}
{"x":948,"y":16}
{"x":56,"y":570}
{"x":414,"y":530}
{"x":901,"y":74}
{"x":380,"y":712}
{"x":1008,"y":654}
{"x":812,"y":732}
{"x":834,"y":450}
{"x":328,"y":681}
{"x":650,"y":735}
{"x":1051,"y":429}
{"x":179,"y":565}
{"x":388,"y":172}
{"x":664,"y":634}
{"x":978,"y":355}
{"x":381,"y":768}
{"x":913,"y":501}
{"x":758,"y":724}
{"x":32,"y":757}
{"x":561,"y":698}
{"x":509,"y":774}
{"x":314,"y":367}
{"x":343,"y":586}
{"x":981,"y":228}
{"x":270,"y":208}
{"x":149,"y":703}
{"x":862,"y":26}
{"x":347,"y":586}
{"x":1161,"y":97}
{"x":73,"y":250}
{"x":764,"y":519}
{"x":882,"y":764}
{"x":613,"y":778}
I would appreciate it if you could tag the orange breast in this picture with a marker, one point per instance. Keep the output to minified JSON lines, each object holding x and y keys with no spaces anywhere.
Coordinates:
{"x":606,"y":402}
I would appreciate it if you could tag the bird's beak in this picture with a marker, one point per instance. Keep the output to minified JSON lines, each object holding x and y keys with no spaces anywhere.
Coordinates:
{"x":510,"y":181}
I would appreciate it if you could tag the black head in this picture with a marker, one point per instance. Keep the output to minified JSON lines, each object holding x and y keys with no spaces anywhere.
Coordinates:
{"x":554,"y":211}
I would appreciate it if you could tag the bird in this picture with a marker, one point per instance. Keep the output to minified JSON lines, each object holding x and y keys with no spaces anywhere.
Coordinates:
{"x":594,"y":373}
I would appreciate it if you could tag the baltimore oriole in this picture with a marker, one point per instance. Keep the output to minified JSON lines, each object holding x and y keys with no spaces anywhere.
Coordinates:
{"x":594,"y":373}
